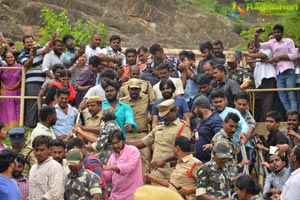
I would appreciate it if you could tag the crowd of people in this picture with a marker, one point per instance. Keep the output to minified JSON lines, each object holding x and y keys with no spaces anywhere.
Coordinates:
{"x":121,"y":126}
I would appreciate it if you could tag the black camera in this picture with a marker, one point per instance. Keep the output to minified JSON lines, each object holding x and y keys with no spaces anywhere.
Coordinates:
{"x":34,"y":51}
{"x":261,"y":30}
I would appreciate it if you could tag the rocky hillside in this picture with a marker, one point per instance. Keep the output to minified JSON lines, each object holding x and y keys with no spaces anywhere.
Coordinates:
{"x":137,"y":21}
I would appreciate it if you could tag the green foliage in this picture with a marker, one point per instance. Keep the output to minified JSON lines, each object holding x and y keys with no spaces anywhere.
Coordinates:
{"x":27,"y":131}
{"x":81,"y":31}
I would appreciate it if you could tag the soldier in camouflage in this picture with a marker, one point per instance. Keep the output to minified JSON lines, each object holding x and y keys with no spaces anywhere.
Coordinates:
{"x":235,"y":72}
{"x":101,"y":146}
{"x":215,"y":176}
{"x":81,"y":184}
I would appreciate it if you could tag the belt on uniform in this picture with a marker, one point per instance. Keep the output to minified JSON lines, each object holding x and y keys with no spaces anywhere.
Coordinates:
{"x":139,"y":132}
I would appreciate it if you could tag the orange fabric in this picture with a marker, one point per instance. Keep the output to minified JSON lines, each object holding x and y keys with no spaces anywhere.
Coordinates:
{"x":70,"y":87}
{"x":127,"y":67}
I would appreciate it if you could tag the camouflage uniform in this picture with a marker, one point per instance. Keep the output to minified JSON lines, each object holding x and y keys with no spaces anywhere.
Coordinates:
{"x":222,"y":135}
{"x":239,"y":75}
{"x":82,"y":186}
{"x":214,"y":181}
{"x":101,"y":145}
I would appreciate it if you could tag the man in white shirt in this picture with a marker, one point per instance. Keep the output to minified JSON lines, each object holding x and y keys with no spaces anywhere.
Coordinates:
{"x":46,"y":176}
{"x":164,"y":73}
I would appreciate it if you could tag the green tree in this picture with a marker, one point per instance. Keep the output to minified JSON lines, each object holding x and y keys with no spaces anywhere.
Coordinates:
{"x":81,"y":31}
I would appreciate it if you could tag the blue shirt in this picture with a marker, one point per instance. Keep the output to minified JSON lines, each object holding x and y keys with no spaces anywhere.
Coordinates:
{"x":124,"y":115}
{"x":190,"y":91}
{"x":9,"y":189}
{"x":180,"y":104}
{"x":206,"y":130}
{"x":242,"y":126}
{"x":64,"y":123}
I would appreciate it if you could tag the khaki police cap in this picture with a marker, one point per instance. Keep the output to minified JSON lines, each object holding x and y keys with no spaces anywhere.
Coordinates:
{"x":134,"y":83}
{"x":93,"y":99}
{"x":165,"y":107}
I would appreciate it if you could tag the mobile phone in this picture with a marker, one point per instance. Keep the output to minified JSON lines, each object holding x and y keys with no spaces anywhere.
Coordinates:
{"x":34,"y":51}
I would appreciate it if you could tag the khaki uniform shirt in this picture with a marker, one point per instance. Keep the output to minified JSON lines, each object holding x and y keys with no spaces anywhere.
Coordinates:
{"x":163,"y":137}
{"x":146,"y":88}
{"x":27,"y":152}
{"x":185,"y":174}
{"x":94,"y":122}
{"x":141,"y":108}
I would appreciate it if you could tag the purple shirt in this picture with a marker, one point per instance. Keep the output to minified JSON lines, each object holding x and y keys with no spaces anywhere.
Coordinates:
{"x":285,"y":46}
{"x":130,"y":177}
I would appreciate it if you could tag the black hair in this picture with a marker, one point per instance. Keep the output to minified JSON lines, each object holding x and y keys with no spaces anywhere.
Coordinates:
{"x":233,"y":116}
{"x":7,"y":157}
{"x":184,"y":53}
{"x":41,"y":139}
{"x":109,"y":73}
{"x":210,"y":62}
{"x":283,"y":158}
{"x":275,"y":115}
{"x":293,"y":112}
{"x":56,"y":67}
{"x":192,"y":55}
{"x":130,"y":50}
{"x":75,"y":142}
{"x":218,"y":42}
{"x":65,"y":73}
{"x":167,"y":82}
{"x":94,"y":61}
{"x":278,"y":27}
{"x":57,"y":40}
{"x":206,"y":45}
{"x":246,"y":182}
{"x":157,"y":63}
{"x":155,"y":48}
{"x":21,"y":159}
{"x":184,"y":143}
{"x":220,"y":67}
{"x":250,"y":43}
{"x":2,"y":125}
{"x":114,"y":37}
{"x":242,"y":95}
{"x":143,"y":49}
{"x":66,"y":37}
{"x":26,"y":36}
{"x":58,"y":143}
{"x":62,"y":90}
{"x":297,"y":152}
{"x":45,"y":112}
{"x":112,"y":83}
{"x":217,"y":94}
{"x":163,"y":66}
{"x":204,"y":79}
{"x":116,"y":134}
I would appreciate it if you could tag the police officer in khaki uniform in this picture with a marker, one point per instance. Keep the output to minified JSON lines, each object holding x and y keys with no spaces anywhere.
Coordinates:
{"x":215,"y":177}
{"x":17,"y":139}
{"x":141,"y":105}
{"x":184,"y":177}
{"x":93,"y":123}
{"x":163,"y":137}
{"x":146,"y":87}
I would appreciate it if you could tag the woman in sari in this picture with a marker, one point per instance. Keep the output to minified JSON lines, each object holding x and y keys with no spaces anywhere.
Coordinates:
{"x":10,"y":86}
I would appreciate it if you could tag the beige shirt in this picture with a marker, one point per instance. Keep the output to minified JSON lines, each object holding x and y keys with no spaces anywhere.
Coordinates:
{"x":94,"y":122}
{"x":163,"y":137}
{"x":40,"y":129}
{"x":141,"y":108}
{"x":185,"y":174}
